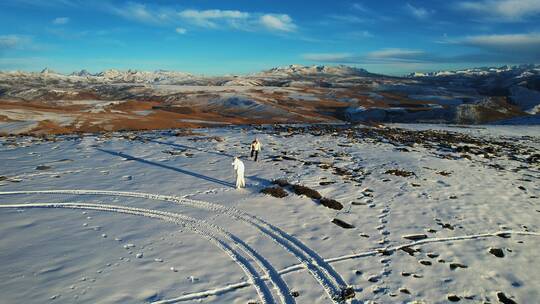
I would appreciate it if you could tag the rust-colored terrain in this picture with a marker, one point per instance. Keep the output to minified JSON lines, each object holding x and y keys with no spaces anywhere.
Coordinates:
{"x":51,"y":103}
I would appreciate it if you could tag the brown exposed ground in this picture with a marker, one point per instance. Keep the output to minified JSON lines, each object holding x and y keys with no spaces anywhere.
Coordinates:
{"x":50,"y":116}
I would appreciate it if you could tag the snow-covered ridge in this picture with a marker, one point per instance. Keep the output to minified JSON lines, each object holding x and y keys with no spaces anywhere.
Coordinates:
{"x":521,"y":70}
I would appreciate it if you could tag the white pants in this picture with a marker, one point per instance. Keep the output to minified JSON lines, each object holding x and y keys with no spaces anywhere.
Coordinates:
{"x":240,"y":182}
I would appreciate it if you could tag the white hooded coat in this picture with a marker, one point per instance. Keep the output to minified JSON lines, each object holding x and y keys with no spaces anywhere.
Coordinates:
{"x":238,"y":166}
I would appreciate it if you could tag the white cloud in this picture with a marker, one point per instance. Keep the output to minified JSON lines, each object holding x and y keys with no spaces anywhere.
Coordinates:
{"x":281,"y":22}
{"x":60,"y":20}
{"x":502,"y":10}
{"x":141,"y":13}
{"x":517,"y":43}
{"x":358,"y":35}
{"x":396,"y":54}
{"x":360,"y":7}
{"x":383,"y":56}
{"x":328,"y":57}
{"x":349,"y":19}
{"x":209,"y":18}
{"x":418,"y":12}
{"x":180,"y":30}
{"x":13,"y":42}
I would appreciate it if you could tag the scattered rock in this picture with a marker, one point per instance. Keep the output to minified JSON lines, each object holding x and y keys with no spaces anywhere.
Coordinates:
{"x":504,"y":299}
{"x":342,"y":224}
{"x":295,"y":294}
{"x":453,"y":298}
{"x":415,"y":237}
{"x":347,"y":293}
{"x":498,"y":252}
{"x":446,"y":225}
{"x":454,"y":266}
{"x":326,"y":183}
{"x":425,"y":262}
{"x":404,"y":290}
{"x":409,"y":250}
{"x":139,"y":255}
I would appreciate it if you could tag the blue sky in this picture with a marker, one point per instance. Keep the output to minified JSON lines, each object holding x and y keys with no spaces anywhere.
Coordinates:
{"x":242,"y":36}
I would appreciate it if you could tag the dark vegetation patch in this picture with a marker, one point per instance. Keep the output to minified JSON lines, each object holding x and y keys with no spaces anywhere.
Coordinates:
{"x":281,"y":182}
{"x":399,"y":172}
{"x":443,"y":143}
{"x":207,"y":138}
{"x":303,"y":190}
{"x":275,"y":192}
{"x":331,"y":203}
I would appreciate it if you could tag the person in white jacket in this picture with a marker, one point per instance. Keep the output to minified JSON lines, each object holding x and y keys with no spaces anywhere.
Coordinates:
{"x":255,"y":148}
{"x":238,"y":166}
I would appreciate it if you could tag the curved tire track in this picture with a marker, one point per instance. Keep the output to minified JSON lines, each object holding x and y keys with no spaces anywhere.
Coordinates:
{"x":375,"y":252}
{"x":199,"y":227}
{"x":323,"y":273}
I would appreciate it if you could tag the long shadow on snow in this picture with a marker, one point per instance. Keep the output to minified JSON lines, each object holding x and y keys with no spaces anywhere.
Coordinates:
{"x":188,"y":147}
{"x":197,"y":175}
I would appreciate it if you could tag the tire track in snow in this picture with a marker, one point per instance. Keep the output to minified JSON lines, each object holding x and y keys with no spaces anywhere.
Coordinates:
{"x":321,"y":271}
{"x":298,"y":267}
{"x":199,"y":227}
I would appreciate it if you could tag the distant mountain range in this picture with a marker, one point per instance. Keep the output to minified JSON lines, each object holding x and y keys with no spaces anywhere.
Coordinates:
{"x":48,"y":102}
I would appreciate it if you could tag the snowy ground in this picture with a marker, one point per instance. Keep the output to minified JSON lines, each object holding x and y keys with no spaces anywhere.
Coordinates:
{"x":162,"y":222}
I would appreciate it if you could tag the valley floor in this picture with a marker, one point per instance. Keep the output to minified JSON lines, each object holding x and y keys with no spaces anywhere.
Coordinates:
{"x":153,"y":217}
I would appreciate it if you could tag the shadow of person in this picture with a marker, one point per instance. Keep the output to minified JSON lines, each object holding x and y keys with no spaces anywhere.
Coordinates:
{"x":183,"y":171}
{"x":188,"y":147}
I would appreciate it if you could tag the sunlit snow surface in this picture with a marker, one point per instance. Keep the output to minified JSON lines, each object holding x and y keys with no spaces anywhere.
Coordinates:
{"x":84,"y":255}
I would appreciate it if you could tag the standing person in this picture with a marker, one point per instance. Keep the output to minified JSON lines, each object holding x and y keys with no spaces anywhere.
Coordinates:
{"x":238,"y":166}
{"x":255,"y":148}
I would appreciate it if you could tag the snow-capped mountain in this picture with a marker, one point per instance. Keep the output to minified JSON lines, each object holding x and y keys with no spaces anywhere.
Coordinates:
{"x":300,"y":70}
